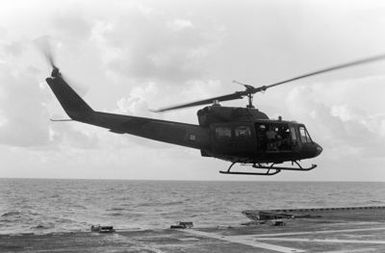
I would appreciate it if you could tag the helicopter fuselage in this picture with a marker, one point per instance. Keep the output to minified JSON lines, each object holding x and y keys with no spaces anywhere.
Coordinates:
{"x":247,"y":135}
{"x":235,"y":134}
{"x":238,"y":135}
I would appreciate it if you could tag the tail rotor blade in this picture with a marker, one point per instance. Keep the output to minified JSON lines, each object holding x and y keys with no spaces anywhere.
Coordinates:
{"x":50,"y":58}
{"x":44,"y":45}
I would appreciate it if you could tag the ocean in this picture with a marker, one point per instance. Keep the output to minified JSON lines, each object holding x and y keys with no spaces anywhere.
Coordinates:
{"x":58,"y":205}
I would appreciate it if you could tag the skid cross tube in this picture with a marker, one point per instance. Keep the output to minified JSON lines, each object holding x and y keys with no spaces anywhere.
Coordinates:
{"x":299,"y":168}
{"x":267,"y":173}
{"x":268,"y":168}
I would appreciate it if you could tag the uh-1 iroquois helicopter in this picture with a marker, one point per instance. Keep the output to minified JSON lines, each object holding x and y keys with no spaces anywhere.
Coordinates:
{"x":236,"y":134}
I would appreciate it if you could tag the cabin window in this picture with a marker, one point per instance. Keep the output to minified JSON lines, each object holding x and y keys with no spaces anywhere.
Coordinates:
{"x":261,"y":127}
{"x":223,"y":132}
{"x":242,"y":131}
{"x":305,"y":138}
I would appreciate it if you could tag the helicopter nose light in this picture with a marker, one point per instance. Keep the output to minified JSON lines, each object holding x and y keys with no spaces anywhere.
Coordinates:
{"x":319,"y":149}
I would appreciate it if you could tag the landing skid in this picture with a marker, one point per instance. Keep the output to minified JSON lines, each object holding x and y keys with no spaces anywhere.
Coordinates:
{"x":270,"y":170}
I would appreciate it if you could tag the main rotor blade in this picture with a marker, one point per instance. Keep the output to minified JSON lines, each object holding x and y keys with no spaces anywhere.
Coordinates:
{"x":235,"y":95}
{"x":252,"y":90}
{"x":345,"y":65}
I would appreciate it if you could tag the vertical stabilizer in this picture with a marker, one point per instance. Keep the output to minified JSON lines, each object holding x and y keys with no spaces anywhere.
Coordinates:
{"x":72,"y":103}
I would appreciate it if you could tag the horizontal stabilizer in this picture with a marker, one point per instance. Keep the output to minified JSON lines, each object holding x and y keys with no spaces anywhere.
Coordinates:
{"x":60,"y":120}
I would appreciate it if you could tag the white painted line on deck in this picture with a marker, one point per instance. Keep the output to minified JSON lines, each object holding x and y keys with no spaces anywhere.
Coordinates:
{"x":365,"y":250}
{"x":244,"y":241}
{"x":94,"y":249}
{"x":321,"y":240}
{"x":321,"y":232}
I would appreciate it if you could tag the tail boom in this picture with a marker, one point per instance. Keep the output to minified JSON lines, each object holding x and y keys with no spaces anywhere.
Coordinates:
{"x":187,"y":135}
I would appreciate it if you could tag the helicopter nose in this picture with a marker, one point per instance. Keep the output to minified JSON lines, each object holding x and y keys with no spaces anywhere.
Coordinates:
{"x":318,"y":149}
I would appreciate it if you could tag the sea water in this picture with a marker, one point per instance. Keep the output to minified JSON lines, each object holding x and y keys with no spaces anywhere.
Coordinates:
{"x":53,"y":205}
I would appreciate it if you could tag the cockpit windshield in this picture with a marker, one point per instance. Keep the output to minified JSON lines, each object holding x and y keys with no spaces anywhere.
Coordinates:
{"x":304,"y":135}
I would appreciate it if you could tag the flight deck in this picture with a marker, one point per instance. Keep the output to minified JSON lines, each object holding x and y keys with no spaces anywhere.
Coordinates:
{"x":337,"y":230}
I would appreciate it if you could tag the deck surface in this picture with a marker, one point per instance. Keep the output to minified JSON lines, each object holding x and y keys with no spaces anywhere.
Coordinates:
{"x":338,"y":230}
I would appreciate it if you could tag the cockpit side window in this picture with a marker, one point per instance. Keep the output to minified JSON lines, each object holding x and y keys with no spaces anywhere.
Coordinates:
{"x":223,"y":132}
{"x":293,"y":135}
{"x":304,"y":135}
{"x":242,"y":131}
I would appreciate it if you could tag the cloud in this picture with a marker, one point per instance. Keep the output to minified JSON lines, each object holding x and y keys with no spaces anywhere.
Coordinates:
{"x":13,"y":48}
{"x":137,"y":102}
{"x":3,"y":32}
{"x":72,"y":135}
{"x":72,"y":25}
{"x":345,"y":125}
{"x":178,"y":25}
{"x":135,"y":55}
{"x":24,"y":118}
{"x":24,"y":104}
{"x":163,"y":49}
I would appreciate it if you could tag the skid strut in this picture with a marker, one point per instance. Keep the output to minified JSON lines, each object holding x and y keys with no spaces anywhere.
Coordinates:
{"x":270,"y":169}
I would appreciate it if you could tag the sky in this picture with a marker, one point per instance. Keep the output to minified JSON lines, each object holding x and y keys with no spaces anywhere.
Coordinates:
{"x":132,"y":56}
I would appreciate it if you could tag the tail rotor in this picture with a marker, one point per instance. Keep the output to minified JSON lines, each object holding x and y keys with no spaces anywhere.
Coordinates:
{"x":45,"y":47}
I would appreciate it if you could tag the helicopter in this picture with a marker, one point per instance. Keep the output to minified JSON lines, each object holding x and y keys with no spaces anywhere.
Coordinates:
{"x":243,"y":135}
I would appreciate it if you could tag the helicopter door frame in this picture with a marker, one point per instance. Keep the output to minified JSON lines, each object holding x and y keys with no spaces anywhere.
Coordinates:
{"x":283,"y":136}
{"x":260,"y":134}
{"x":294,"y":135}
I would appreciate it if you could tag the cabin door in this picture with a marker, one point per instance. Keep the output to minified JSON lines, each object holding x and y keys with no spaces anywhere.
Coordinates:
{"x":275,"y":137}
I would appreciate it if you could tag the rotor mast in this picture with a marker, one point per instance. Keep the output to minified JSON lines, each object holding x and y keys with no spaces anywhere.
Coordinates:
{"x":250,"y":97}
{"x":249,"y":93}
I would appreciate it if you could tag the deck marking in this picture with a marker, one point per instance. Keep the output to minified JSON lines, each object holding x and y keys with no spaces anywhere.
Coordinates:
{"x":322,"y":240}
{"x":321,"y":232}
{"x":96,"y":249}
{"x":352,"y":250}
{"x":245,"y":241}
{"x":137,"y":244}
